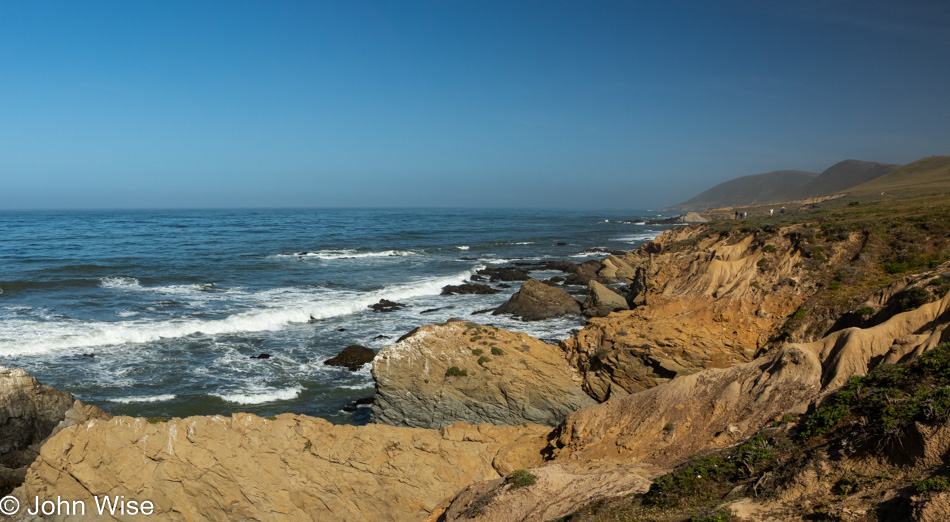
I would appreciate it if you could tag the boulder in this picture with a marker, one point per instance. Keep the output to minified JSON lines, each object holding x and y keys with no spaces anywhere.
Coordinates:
{"x":385,"y":305}
{"x":468,"y":288}
{"x":352,"y":357}
{"x":584,"y":272}
{"x":504,"y":274}
{"x":462,"y":371}
{"x":617,"y":269}
{"x":536,"y":300}
{"x":601,"y":301}
{"x":637,"y":289}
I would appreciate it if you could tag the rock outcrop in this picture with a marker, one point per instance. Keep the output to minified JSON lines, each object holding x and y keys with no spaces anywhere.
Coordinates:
{"x":499,"y":376}
{"x":352,"y":357}
{"x":29,"y":413}
{"x":290,"y":468}
{"x":536,"y":300}
{"x":601,"y":301}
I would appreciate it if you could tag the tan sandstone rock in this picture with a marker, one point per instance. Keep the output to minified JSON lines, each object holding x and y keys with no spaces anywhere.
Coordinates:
{"x":528,"y":381}
{"x":291,"y":468}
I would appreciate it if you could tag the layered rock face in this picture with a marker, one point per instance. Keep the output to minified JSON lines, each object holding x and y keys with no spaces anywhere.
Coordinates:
{"x":509,"y":379}
{"x":638,"y":434}
{"x":290,"y":468}
{"x":711,"y":306}
{"x":29,"y":413}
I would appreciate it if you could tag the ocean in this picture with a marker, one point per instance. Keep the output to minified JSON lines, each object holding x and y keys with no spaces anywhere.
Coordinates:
{"x":157,"y":312}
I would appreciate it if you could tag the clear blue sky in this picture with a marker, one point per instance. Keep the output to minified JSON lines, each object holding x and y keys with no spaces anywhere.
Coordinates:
{"x":455,"y":103}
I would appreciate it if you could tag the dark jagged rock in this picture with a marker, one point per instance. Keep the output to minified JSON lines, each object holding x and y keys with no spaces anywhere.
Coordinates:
{"x":485,"y":311}
{"x":468,"y":288}
{"x":536,"y":300}
{"x":352,"y":357}
{"x":261,"y":356}
{"x":652,"y":248}
{"x":504,"y":274}
{"x":584,"y":273}
{"x":385,"y":305}
{"x":381,"y":336}
{"x":477,"y":278}
{"x":353,"y":406}
{"x":637,"y":289}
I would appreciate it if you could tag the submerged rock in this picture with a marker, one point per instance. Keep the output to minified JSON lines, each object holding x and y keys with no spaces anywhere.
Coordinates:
{"x":352,"y":357}
{"x":468,"y":288}
{"x":385,"y":305}
{"x":536,"y":300}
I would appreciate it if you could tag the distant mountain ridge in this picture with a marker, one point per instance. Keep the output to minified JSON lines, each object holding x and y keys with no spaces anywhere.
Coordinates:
{"x":750,"y":190}
{"x":787,"y":185}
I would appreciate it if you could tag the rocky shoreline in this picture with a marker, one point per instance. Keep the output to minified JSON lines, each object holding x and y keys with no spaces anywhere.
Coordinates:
{"x":695,"y":341}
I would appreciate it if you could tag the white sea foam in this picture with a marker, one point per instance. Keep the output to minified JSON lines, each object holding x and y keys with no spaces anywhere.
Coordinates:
{"x":350,"y":254}
{"x":363,"y":386}
{"x":260,"y":397}
{"x":638,"y":238}
{"x":524,"y":243}
{"x":271,"y":310}
{"x":147,"y":398}
{"x":126,"y":313}
{"x":124,"y":283}
{"x":462,"y":247}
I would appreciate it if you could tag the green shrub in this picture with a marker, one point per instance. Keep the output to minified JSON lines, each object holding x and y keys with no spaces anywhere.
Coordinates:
{"x":761,"y":263}
{"x":932,"y":484}
{"x":521,"y":478}
{"x":155,"y":420}
{"x":497,"y":351}
{"x":768,"y":248}
{"x":914,"y":297}
{"x":865,"y":311}
{"x":455,"y":371}
{"x":477,"y":351}
{"x":482,"y":360}
{"x":719,"y":515}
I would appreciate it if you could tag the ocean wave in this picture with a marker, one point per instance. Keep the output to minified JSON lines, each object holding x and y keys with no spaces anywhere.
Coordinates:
{"x":462,"y":247}
{"x":146,"y":398}
{"x":120,"y":282}
{"x":275,"y":309}
{"x":639,"y":238}
{"x":261,"y":397}
{"x":350,"y":254}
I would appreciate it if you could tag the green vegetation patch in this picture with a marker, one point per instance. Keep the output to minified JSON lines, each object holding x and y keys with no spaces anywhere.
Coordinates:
{"x":482,"y":360}
{"x":455,"y":371}
{"x":521,"y":479}
{"x":888,"y":400}
{"x":497,"y":351}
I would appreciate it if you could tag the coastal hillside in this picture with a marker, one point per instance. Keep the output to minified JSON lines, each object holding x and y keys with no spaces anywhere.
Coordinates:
{"x":789,"y":185}
{"x":923,"y":177}
{"x":844,"y":175}
{"x":746,"y":190}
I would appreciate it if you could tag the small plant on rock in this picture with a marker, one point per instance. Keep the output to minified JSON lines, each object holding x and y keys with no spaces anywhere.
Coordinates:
{"x":521,"y":478}
{"x":455,"y":371}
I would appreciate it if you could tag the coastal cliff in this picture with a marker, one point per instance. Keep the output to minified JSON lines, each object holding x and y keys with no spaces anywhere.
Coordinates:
{"x":734,"y":328}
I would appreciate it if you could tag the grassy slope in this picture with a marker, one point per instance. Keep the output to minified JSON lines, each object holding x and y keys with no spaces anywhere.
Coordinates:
{"x":757,"y":188}
{"x":927,"y":176}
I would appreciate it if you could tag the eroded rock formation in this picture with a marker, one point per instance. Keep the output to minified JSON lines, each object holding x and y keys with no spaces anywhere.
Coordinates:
{"x":499,"y":376}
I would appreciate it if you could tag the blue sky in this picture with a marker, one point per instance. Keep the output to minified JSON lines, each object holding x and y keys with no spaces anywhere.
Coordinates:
{"x":454,"y":103}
